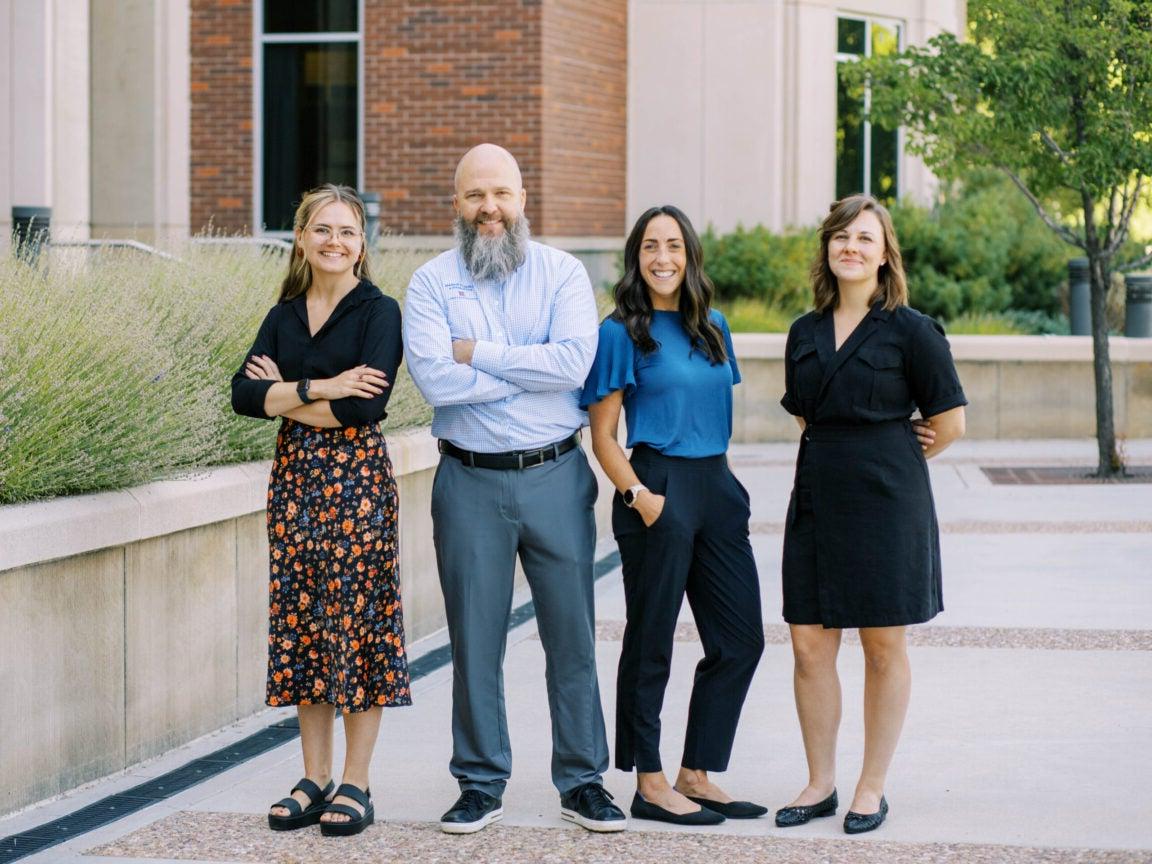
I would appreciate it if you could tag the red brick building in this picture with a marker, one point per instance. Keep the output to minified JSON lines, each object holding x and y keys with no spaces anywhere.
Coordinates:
{"x":387,"y":94}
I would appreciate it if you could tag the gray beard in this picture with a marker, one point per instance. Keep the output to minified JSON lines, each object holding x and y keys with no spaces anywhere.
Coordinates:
{"x":492,"y":258}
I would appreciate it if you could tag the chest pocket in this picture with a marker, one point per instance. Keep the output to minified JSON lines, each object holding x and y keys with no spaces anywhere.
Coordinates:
{"x":884,"y":364}
{"x":807,"y":371}
{"x":465,"y":313}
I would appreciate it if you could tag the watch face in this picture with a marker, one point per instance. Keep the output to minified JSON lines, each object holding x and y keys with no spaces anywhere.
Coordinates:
{"x":629,"y":497}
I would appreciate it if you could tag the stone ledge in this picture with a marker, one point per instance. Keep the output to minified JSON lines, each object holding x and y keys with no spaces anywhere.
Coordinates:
{"x":62,"y":527}
{"x":1044,"y":349}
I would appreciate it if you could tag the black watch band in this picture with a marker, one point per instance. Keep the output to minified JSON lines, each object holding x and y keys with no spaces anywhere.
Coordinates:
{"x":302,"y":390}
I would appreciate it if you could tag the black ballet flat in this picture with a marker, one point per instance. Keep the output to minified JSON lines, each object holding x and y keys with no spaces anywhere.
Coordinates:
{"x":731,"y":809}
{"x":789,"y":817}
{"x":642,"y":809}
{"x":859,"y":823}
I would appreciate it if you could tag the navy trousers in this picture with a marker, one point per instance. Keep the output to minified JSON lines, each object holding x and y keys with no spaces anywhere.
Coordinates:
{"x":698,"y":548}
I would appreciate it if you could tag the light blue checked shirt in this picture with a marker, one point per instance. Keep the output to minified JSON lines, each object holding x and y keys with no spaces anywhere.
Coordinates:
{"x":535,"y":340}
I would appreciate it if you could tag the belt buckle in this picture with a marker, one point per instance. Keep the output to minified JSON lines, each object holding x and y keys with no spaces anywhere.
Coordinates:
{"x":538,"y":455}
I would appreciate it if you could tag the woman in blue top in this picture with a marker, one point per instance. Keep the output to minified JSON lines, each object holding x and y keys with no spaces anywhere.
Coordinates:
{"x":680,"y":516}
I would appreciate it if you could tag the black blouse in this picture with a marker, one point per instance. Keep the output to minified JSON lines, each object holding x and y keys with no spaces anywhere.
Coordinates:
{"x":893,"y":362}
{"x":364,"y":328}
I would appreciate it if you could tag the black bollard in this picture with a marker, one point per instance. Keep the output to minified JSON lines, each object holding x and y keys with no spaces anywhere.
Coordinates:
{"x":1138,"y":305}
{"x":30,"y":230}
{"x":1079,"y":298}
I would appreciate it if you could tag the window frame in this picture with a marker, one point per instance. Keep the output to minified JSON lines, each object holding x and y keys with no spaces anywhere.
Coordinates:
{"x":901,"y":29}
{"x":259,"y":40}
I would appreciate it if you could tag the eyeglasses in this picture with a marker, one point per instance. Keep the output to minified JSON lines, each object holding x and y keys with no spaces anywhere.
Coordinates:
{"x":324,"y":233}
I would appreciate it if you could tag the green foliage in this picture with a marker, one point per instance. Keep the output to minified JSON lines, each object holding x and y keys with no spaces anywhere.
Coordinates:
{"x":1060,"y":94}
{"x":983,"y":249}
{"x":759,"y":264}
{"x":1010,"y":323}
{"x":115,"y":366}
{"x":749,"y":315}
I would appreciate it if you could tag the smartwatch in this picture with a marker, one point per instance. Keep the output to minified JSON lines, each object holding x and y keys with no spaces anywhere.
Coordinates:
{"x":631,"y":492}
{"x":302,"y":390}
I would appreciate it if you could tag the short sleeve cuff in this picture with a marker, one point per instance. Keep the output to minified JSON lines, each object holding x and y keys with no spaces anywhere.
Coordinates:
{"x":941,"y":405}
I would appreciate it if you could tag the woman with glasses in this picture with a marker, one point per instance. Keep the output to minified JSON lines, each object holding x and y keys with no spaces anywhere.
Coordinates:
{"x":324,"y":362}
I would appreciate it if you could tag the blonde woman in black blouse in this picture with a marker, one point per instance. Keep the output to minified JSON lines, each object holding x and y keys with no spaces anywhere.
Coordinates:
{"x":324,"y":362}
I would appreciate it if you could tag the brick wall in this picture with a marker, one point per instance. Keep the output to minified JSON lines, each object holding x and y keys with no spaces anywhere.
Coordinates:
{"x":545,"y":78}
{"x":441,"y":77}
{"x":221,"y":114}
{"x":585,"y":51}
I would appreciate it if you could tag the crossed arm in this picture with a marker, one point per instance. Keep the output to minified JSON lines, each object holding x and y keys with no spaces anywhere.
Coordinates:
{"x":461,"y":371}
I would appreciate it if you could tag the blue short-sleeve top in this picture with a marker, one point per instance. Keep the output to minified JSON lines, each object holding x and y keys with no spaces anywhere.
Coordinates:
{"x":675,"y":399}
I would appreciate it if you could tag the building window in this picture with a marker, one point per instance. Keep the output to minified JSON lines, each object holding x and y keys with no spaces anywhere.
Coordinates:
{"x":867,"y":156}
{"x":309,"y":56}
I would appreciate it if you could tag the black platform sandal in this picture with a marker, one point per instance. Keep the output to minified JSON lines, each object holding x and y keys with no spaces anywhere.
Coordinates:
{"x":301,"y":817}
{"x":357,"y":822}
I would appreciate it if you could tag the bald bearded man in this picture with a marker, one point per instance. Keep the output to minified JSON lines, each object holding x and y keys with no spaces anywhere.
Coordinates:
{"x":499,"y":335}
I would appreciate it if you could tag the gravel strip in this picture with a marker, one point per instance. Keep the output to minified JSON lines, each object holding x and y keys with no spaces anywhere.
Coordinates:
{"x":245,"y":837}
{"x":930,"y":636}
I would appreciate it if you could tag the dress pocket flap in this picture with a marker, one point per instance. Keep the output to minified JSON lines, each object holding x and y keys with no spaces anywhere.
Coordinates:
{"x":882,"y":357}
{"x":802,"y":350}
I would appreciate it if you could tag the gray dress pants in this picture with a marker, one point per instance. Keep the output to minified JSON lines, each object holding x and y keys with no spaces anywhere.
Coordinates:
{"x":483,"y":518}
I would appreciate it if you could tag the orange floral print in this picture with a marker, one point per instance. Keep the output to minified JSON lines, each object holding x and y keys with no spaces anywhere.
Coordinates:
{"x":336,"y":632}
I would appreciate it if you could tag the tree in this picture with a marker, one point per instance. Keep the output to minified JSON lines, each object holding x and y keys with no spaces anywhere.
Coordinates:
{"x":1057,"y":96}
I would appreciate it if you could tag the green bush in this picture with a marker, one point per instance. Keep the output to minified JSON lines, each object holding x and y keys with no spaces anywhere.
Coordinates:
{"x":1014,"y":322}
{"x":758,"y":264}
{"x":115,"y":366}
{"x":983,"y":249}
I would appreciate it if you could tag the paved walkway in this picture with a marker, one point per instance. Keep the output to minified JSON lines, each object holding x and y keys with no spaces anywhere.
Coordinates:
{"x":1029,"y":737}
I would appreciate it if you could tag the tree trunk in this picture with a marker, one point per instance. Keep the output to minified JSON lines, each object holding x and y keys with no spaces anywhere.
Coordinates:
{"x":1109,"y":464}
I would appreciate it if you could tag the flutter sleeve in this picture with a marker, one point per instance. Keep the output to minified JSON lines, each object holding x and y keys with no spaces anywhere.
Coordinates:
{"x":932,"y":374}
{"x":614,"y":367}
{"x":722,"y":322}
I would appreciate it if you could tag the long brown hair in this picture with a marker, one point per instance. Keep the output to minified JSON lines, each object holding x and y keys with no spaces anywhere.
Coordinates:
{"x":892,"y":288}
{"x":634,"y":305}
{"x":299,"y":277}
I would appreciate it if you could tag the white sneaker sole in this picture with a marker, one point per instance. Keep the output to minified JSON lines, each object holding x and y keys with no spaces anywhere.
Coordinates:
{"x":472,"y":827}
{"x":592,"y":825}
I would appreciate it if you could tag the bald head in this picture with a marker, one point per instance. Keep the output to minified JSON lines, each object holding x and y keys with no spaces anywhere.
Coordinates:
{"x":488,"y":160}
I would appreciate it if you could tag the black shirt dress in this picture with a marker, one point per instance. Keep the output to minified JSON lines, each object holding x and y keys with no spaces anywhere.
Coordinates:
{"x":861,"y":542}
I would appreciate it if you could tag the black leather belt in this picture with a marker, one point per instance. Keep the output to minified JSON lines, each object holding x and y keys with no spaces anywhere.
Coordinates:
{"x":516,"y":459}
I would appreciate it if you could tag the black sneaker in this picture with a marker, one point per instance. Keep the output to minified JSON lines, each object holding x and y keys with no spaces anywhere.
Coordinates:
{"x":472,"y":812}
{"x":590,"y":806}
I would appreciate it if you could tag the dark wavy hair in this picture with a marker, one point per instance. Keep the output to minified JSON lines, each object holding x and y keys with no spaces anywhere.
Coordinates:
{"x":634,"y":305}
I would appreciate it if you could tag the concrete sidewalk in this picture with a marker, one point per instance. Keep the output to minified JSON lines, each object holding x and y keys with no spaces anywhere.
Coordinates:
{"x":1029,"y":737}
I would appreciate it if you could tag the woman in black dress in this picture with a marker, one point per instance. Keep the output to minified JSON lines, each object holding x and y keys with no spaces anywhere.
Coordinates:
{"x":861,"y":544}
{"x":324,"y":361}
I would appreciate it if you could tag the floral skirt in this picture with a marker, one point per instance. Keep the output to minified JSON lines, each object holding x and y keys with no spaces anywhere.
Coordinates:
{"x":336,"y":630}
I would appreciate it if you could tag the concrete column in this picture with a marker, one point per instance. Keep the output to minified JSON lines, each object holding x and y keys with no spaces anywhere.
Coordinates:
{"x":140,"y":103}
{"x":71,"y":157}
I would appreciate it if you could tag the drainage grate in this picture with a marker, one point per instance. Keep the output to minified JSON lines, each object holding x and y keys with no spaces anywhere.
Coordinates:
{"x":19,"y":846}
{"x":93,"y":816}
{"x":115,"y":807}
